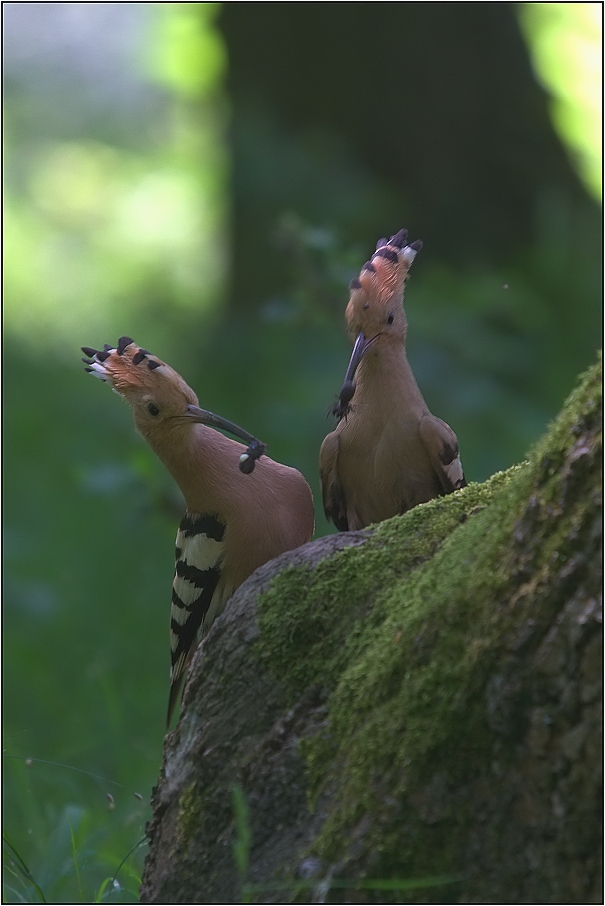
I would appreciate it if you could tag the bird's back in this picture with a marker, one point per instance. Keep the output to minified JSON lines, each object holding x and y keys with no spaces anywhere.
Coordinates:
{"x":233,"y":529}
{"x":268,"y":513}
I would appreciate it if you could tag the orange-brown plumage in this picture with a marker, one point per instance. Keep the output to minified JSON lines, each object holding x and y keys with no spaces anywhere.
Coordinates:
{"x":388,"y":452}
{"x":235,"y":522}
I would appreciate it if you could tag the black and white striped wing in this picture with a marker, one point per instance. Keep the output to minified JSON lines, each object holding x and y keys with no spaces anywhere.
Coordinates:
{"x":195,"y":600}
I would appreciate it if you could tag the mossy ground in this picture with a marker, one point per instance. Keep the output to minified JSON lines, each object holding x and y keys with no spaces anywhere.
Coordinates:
{"x":403,"y":633}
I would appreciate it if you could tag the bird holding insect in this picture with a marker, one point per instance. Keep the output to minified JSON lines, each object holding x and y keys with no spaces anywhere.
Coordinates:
{"x":243,"y":508}
{"x":388,"y":453}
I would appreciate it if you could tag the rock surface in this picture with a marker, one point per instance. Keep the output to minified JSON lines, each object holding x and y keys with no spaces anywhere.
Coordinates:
{"x":419,"y":700}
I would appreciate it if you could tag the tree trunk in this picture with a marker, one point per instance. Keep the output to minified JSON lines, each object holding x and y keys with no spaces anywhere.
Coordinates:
{"x":419,"y":700}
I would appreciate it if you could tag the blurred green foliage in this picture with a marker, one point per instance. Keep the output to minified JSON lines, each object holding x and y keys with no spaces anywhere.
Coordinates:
{"x":207,"y":180}
{"x":565,"y":44}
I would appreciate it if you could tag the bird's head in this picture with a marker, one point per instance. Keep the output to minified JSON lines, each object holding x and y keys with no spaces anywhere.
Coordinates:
{"x":158,"y":396}
{"x":376,"y":303}
{"x":375,"y":312}
{"x":160,"y":399}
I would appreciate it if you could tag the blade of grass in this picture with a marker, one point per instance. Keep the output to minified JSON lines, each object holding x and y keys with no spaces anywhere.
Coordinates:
{"x":101,"y":890}
{"x":18,"y":897}
{"x":75,"y":856}
{"x":118,"y":869}
{"x":20,"y":864}
{"x":378,"y":884}
{"x":59,"y":764}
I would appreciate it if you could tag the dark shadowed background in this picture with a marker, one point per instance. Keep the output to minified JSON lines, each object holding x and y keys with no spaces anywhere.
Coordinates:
{"x":207,"y":178}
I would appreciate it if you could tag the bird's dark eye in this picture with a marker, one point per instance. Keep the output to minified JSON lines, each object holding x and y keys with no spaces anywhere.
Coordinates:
{"x":390,"y":318}
{"x":153,"y":409}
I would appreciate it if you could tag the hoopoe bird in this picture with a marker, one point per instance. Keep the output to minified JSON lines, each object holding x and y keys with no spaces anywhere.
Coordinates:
{"x":238,"y":516}
{"x":387,"y":453}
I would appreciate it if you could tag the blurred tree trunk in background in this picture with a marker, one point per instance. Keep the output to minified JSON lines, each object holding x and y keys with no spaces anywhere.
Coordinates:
{"x":437,"y":102}
{"x":350,"y":122}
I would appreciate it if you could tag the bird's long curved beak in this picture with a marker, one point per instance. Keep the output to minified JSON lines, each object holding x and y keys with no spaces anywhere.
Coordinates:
{"x":362,"y":344}
{"x":204,"y":417}
{"x":255,"y":448}
{"x":342,"y":408}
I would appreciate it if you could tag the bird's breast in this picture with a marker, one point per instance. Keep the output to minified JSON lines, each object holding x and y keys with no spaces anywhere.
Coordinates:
{"x":382,"y":464}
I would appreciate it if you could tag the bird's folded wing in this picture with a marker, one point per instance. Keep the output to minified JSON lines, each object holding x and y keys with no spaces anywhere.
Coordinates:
{"x":199,"y":551}
{"x":334,"y":503}
{"x":441,"y":445}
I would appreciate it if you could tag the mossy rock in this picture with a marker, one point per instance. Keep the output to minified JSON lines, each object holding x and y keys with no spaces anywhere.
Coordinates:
{"x":419,"y":700}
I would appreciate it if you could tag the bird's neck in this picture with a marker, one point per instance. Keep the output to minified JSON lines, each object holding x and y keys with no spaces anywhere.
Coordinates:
{"x":202,"y":462}
{"x":384,"y":375}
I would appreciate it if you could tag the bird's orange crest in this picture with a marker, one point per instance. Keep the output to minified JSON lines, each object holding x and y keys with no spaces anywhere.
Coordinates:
{"x":384,"y":274}
{"x":132,"y":370}
{"x":380,"y":284}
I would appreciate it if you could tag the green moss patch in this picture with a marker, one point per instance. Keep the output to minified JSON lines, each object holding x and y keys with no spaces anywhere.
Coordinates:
{"x":316,"y":621}
{"x":404,"y":631}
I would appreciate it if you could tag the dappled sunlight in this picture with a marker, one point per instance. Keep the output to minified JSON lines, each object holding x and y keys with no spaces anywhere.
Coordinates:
{"x":99,"y":234}
{"x":190,"y":55}
{"x":565,"y":42}
{"x":95,"y":224}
